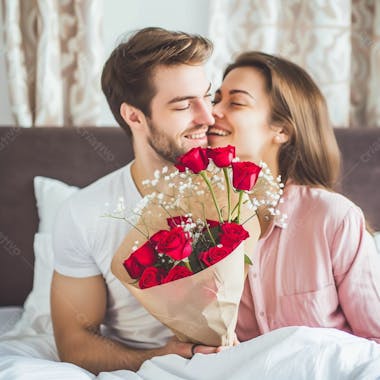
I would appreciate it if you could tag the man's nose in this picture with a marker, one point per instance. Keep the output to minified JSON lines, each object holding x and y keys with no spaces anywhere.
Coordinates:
{"x":204,"y":115}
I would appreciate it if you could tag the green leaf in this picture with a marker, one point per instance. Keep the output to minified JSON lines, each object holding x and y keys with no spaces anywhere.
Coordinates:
{"x":204,"y":243}
{"x":186,"y":264}
{"x":194,"y":263}
{"x":247,"y":260}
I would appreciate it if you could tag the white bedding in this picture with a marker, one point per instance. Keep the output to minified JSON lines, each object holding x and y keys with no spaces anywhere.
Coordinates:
{"x":288,"y":353}
{"x":9,"y":316}
{"x":28,"y":351}
{"x":377,"y":240}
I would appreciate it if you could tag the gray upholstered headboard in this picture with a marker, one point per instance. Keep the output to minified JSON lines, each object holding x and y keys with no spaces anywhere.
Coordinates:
{"x":360,"y":176}
{"x":79,"y":156}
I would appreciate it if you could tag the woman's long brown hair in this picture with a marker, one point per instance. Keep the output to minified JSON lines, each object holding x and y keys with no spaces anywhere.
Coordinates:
{"x":311,"y":156}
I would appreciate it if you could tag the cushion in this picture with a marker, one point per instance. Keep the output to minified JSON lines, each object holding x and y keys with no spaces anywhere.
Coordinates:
{"x":50,"y":193}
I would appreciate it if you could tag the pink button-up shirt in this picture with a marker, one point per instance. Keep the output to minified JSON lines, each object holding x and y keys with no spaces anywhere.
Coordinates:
{"x":322,"y":270}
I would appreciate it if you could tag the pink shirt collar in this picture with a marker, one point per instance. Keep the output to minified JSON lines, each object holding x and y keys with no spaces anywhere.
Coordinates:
{"x":291,"y":191}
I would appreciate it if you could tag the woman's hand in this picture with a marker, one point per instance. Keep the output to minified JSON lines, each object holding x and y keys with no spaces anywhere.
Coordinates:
{"x":222,"y":348}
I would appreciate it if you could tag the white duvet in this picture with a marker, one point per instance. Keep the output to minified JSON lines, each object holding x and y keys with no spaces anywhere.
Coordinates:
{"x":288,"y":353}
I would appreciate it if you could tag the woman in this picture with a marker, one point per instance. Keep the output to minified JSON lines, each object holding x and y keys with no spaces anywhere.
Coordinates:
{"x":322,"y":269}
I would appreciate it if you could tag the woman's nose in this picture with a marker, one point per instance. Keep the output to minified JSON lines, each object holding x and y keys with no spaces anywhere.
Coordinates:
{"x":217,"y":110}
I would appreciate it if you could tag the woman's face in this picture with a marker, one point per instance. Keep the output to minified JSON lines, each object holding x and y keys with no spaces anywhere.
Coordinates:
{"x":242,"y":117}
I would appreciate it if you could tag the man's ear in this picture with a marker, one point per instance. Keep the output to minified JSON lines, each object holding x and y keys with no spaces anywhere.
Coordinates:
{"x":134,"y":117}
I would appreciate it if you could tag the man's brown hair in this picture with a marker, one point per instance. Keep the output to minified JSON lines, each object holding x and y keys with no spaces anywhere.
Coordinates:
{"x":311,"y":156}
{"x":128,"y":73}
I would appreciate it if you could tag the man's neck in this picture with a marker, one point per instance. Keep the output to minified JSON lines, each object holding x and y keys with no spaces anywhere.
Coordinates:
{"x":142,"y":169}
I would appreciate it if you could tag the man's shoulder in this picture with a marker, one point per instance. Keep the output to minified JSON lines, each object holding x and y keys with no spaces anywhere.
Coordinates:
{"x":102,"y":194}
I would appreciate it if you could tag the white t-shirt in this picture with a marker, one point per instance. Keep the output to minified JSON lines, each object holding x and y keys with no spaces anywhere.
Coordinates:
{"x":84,"y":242}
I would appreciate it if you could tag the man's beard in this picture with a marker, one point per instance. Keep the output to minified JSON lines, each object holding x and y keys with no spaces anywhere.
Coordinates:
{"x":160,"y":143}
{"x":164,"y":145}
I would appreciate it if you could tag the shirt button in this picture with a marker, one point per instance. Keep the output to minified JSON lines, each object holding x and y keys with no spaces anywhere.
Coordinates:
{"x":262,"y":313}
{"x":254,"y":275}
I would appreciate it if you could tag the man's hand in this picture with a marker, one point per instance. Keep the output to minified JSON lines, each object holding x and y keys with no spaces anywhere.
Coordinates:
{"x":186,"y":350}
{"x":174,"y":346}
{"x":78,"y":307}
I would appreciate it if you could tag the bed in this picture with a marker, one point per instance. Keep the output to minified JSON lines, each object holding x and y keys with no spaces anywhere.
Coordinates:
{"x":79,"y":156}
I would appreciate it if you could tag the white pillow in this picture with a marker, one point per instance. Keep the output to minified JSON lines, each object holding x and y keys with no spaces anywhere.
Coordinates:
{"x":50,"y":193}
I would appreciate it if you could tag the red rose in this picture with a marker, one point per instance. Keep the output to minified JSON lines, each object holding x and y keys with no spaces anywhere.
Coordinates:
{"x":195,"y":159}
{"x":177,"y":272}
{"x":176,"y":221}
{"x":133,"y":267}
{"x":244,"y":175}
{"x":175,"y":244}
{"x":151,"y":276}
{"x":232,"y":234}
{"x":180,"y":167}
{"x":211,"y":224}
{"x":222,"y":157}
{"x":159,"y":235}
{"x":143,"y":257}
{"x":213,"y":255}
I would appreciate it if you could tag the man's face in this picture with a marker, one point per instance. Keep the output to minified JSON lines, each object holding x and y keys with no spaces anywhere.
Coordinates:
{"x":180,"y":110}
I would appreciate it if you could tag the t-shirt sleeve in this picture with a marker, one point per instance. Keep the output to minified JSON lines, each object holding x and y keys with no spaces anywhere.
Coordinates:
{"x":71,"y":244}
{"x":357,"y":275}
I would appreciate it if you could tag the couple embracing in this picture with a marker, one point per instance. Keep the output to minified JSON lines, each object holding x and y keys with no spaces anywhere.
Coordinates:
{"x":321,"y":270}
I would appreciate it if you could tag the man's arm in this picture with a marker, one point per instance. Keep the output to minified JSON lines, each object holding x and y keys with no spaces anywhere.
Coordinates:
{"x":78,"y":306}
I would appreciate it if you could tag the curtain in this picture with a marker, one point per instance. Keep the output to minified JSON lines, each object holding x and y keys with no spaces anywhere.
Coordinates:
{"x":54,"y":60}
{"x":336,"y":41}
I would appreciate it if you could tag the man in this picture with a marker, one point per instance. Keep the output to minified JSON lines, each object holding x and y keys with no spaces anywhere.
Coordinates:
{"x":157,"y":89}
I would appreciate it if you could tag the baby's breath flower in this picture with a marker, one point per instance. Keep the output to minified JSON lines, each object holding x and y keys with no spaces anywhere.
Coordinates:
{"x":176,"y":198}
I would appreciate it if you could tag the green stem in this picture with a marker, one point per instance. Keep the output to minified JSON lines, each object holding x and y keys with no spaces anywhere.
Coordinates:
{"x":241,"y":192}
{"x":126,"y":220}
{"x":228,"y":184}
{"x":210,"y":234}
{"x":204,"y":176}
{"x":207,"y":227}
{"x":234,"y":209}
{"x":249,"y":218}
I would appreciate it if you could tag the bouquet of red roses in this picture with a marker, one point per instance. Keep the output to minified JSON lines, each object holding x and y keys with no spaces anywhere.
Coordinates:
{"x":190,"y":269}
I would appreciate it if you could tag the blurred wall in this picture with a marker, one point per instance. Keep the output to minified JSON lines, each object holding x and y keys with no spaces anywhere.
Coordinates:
{"x":5,"y":112}
{"x":120,"y":17}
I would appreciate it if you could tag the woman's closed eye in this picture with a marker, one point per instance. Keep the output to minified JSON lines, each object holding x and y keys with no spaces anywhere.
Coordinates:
{"x":215,"y":100}
{"x":239,"y":100}
{"x":237,"y":104}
